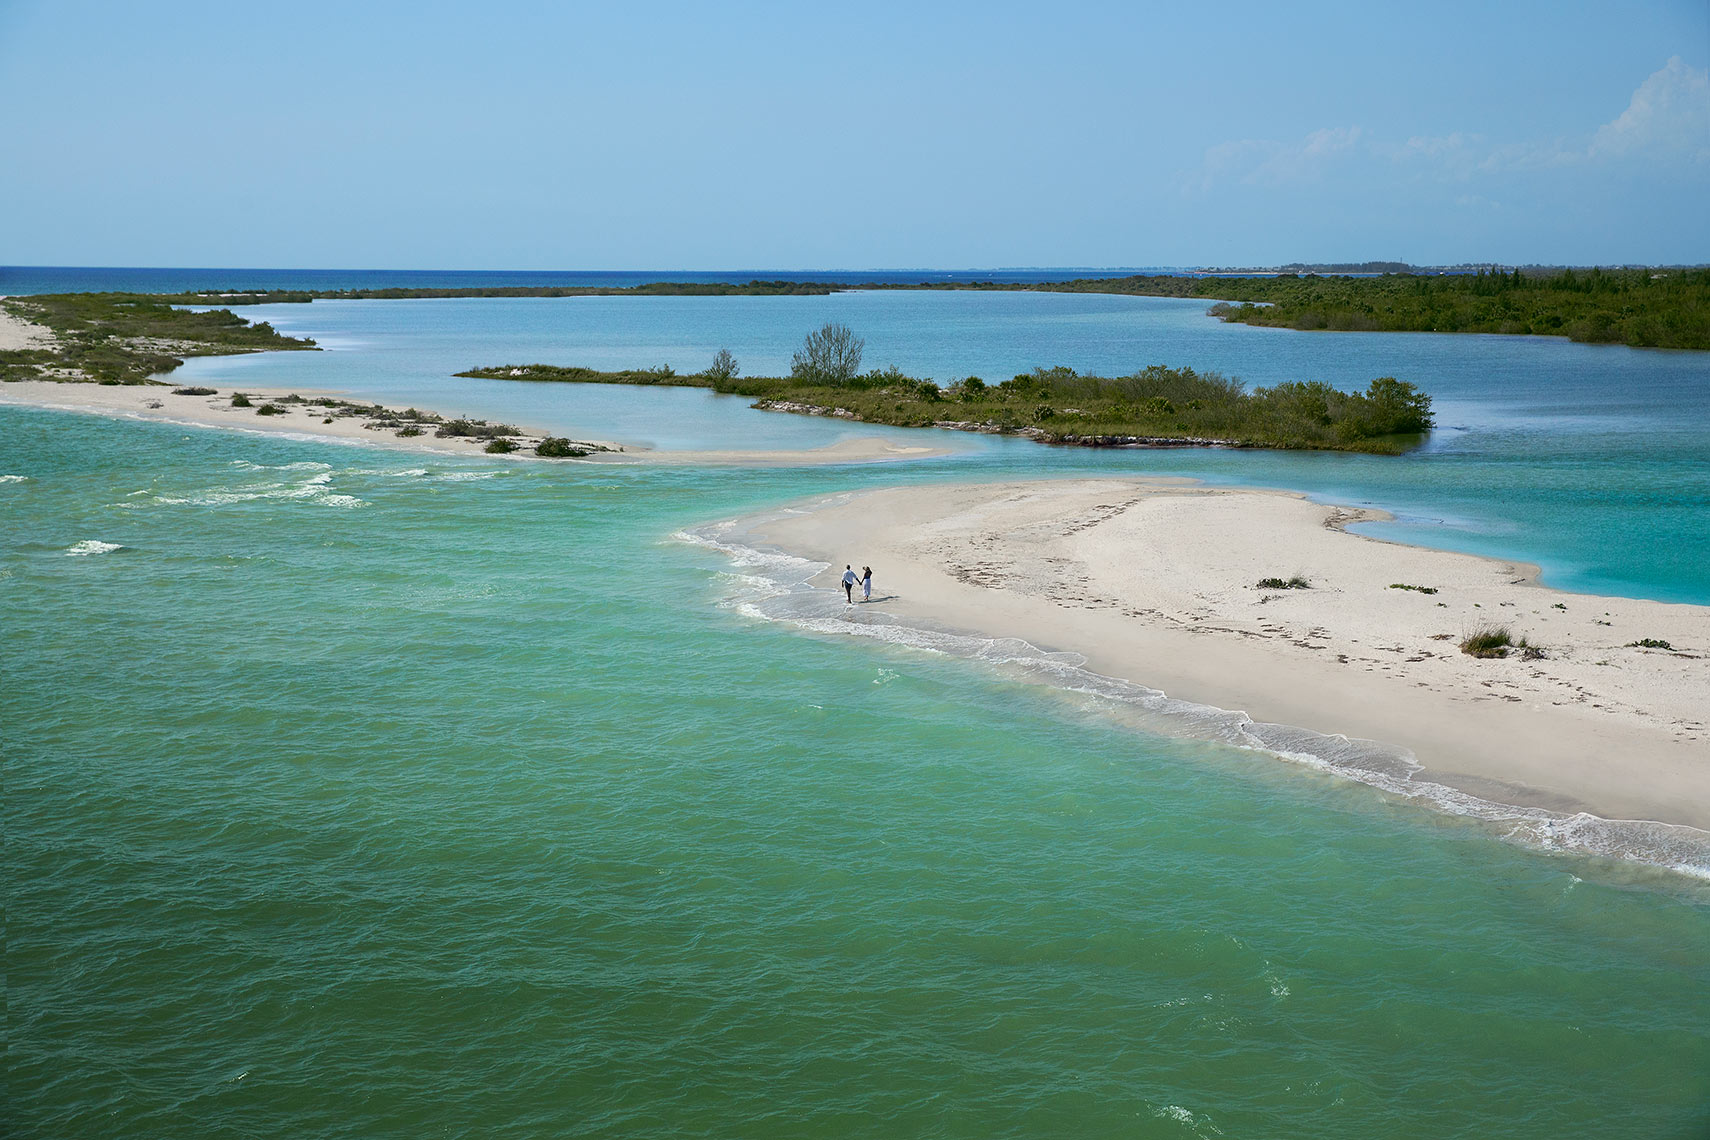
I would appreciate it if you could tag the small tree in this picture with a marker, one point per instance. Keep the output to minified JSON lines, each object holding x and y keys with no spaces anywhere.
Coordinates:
{"x":831,"y":355}
{"x":723,"y":366}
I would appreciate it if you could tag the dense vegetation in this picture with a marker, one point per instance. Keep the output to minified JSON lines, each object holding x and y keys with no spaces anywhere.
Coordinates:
{"x":124,"y":338}
{"x":1638,"y":307}
{"x":1634,"y":307}
{"x":1157,"y":405}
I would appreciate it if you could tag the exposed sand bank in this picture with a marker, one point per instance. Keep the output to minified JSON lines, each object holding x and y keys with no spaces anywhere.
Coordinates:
{"x":159,"y":403}
{"x":17,"y":335}
{"x":1155,"y":582}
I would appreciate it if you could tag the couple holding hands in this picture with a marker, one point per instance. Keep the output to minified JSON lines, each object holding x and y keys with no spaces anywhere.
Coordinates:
{"x":866,"y":580}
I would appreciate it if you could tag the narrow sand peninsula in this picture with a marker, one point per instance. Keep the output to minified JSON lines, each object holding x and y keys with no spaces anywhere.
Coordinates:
{"x":159,"y":403}
{"x":1155,"y":582}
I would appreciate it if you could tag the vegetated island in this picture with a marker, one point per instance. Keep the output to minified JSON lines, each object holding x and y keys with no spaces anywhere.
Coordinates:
{"x":1642,"y":308}
{"x":1154,"y":407}
{"x":125,"y":338}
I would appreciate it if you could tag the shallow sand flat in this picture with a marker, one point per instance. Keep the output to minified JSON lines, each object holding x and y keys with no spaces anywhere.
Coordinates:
{"x":135,"y":401}
{"x":17,"y":335}
{"x":1155,"y":582}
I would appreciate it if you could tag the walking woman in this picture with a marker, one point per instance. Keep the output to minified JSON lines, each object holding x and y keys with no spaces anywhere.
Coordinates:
{"x":866,"y":583}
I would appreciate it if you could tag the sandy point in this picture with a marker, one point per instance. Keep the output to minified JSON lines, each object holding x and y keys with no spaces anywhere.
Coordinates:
{"x":1157,"y":582}
{"x":160,"y":402}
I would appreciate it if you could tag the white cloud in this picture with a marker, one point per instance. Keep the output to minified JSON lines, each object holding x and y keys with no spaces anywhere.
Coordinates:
{"x":1667,"y":120}
{"x":1267,"y":162}
{"x":1669,"y":116}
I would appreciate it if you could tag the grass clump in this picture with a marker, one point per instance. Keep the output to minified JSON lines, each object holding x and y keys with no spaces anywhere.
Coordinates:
{"x":1650,"y":643}
{"x":1295,"y":583}
{"x":239,"y":400}
{"x":500,"y":447}
{"x":1415,"y":589}
{"x":1488,"y":641}
{"x":1497,"y":641}
{"x":195,"y":391}
{"x":557,"y":447}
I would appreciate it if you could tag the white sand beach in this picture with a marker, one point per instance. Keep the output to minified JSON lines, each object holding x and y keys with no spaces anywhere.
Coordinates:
{"x":1155,"y":582}
{"x":215,"y":411}
{"x":17,"y":335}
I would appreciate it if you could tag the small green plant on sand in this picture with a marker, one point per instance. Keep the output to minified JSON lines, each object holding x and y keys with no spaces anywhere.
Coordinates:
{"x":270,"y":410}
{"x":239,"y":400}
{"x":406,"y":432}
{"x":1650,"y":643}
{"x":1295,"y":583}
{"x":195,"y":391}
{"x":1415,"y":589}
{"x":1497,"y":641}
{"x":500,"y":447}
{"x":557,"y":447}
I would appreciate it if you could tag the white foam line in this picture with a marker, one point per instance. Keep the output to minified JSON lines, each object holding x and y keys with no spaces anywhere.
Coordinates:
{"x":772,"y":586}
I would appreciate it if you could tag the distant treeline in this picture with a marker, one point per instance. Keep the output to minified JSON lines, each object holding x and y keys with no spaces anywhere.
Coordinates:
{"x":1156,"y":406}
{"x":124,"y":338}
{"x":650,"y":289}
{"x":1638,"y":307}
{"x":1642,"y":308}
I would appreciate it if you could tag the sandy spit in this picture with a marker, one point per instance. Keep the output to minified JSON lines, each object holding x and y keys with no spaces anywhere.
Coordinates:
{"x":1156,"y":582}
{"x":158,"y":403}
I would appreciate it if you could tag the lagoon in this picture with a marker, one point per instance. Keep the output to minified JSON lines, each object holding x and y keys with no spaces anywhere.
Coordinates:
{"x":1590,"y":460}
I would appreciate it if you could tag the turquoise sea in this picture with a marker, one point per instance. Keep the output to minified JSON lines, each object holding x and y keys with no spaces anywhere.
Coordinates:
{"x":361,"y":793}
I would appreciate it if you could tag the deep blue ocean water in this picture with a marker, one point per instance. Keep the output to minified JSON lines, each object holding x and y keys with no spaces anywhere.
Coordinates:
{"x":362,"y":793}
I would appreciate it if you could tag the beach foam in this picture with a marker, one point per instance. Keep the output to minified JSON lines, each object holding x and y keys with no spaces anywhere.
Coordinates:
{"x":775,"y":586}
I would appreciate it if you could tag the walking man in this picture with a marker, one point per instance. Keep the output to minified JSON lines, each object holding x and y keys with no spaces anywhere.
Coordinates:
{"x":849,"y":581}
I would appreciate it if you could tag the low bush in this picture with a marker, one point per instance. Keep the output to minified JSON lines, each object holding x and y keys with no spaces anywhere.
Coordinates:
{"x":405,"y":432}
{"x":239,"y":400}
{"x":1295,"y":583}
{"x":1496,"y":641}
{"x":1650,"y":643}
{"x":194,"y":391}
{"x":473,"y":429}
{"x":270,"y":410}
{"x":500,"y":447}
{"x":1415,"y":589}
{"x":557,"y":447}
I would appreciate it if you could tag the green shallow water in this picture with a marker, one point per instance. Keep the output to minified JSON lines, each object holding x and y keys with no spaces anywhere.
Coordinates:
{"x":360,"y":794}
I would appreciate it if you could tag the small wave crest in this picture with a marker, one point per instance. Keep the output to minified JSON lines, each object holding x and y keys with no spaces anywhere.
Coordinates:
{"x":315,"y":489}
{"x":14,"y":478}
{"x":92,"y":546}
{"x":770,"y":585}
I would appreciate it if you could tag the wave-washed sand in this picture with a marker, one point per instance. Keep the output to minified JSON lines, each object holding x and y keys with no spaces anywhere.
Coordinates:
{"x":158,"y":403}
{"x":1155,"y":582}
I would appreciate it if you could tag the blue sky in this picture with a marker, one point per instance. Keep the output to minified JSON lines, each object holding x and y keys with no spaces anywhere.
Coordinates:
{"x":564,"y":136}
